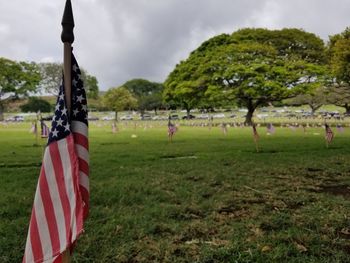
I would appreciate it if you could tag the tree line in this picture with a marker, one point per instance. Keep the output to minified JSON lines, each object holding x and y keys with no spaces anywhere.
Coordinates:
{"x":249,"y":68}
{"x":23,"y":79}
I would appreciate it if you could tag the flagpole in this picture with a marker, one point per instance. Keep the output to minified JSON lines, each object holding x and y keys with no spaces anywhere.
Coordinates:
{"x":67,"y":38}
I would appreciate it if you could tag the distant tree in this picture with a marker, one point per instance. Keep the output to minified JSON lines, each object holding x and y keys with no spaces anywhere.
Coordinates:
{"x":315,"y":99}
{"x":119,"y":99}
{"x":147,"y":93}
{"x":35,"y":104}
{"x":91,"y":86}
{"x":16,"y":79}
{"x":339,"y":95}
{"x":339,"y":60}
{"x":52,"y":78}
{"x":252,"y":67}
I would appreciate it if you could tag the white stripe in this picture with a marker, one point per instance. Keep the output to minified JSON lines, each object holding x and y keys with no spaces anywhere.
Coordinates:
{"x":68,"y":178}
{"x":80,"y":127}
{"x":82,"y":152}
{"x":84,"y":180}
{"x":55,"y":197}
{"x":28,"y":252}
{"x":42,"y":226}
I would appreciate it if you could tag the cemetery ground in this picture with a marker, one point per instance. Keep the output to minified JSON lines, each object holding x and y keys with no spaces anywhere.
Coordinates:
{"x":206,"y":197}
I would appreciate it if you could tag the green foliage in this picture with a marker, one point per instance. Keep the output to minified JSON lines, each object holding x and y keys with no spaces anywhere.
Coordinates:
{"x":52,"y":78}
{"x":339,"y":56}
{"x":314,"y":98}
{"x":147,"y":93}
{"x":252,"y":67}
{"x":17,"y":78}
{"x":35,"y":104}
{"x":118,"y":99}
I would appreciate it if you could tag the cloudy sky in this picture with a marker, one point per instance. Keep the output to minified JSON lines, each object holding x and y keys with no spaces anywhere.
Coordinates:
{"x":117,"y":40}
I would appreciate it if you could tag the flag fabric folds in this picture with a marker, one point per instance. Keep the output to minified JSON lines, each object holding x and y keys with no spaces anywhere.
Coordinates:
{"x":329,"y":134}
{"x":62,"y":194}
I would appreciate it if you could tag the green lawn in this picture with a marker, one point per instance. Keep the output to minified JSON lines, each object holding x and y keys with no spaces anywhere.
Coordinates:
{"x":205,"y":197}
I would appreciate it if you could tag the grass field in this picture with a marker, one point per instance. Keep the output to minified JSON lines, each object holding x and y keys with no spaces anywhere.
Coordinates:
{"x":206,"y":197}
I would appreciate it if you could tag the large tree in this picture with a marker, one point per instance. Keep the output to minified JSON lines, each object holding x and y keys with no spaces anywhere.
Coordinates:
{"x":16,"y":79}
{"x":339,"y":58}
{"x":315,"y":99}
{"x":52,"y":78}
{"x":147,"y":93}
{"x":251,"y":66}
{"x":119,"y":99}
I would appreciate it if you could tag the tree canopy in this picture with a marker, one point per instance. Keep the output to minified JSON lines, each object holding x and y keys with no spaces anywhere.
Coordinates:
{"x":51,"y":74}
{"x":119,"y":99}
{"x":17,"y":78}
{"x":147,"y":93}
{"x":251,"y":66}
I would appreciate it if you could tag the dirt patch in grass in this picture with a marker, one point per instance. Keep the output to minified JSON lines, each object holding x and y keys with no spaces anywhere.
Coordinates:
{"x":342,"y":190}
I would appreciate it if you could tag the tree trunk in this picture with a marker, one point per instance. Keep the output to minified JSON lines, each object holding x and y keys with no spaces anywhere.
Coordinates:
{"x":347,"y":109}
{"x":1,"y":111}
{"x":188,"y":113}
{"x":249,"y":116}
{"x":155,"y":111}
{"x":116,"y":116}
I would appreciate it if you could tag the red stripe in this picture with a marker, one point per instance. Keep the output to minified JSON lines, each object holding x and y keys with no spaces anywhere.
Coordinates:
{"x":35,"y":238}
{"x":49,"y":212}
{"x":57,"y":165}
{"x":81,"y":140}
{"x":75,"y":178}
{"x":83,"y":166}
{"x":85,"y":196}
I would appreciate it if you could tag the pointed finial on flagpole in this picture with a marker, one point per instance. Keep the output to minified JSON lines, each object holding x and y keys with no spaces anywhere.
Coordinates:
{"x":67,"y":35}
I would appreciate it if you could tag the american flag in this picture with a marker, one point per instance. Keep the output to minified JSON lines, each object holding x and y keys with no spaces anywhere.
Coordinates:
{"x":329,"y":134}
{"x":171,"y":128}
{"x":255,"y":133}
{"x":62,"y":194}
{"x":114,"y":127}
{"x":44,"y":129}
{"x":340,"y":128}
{"x":34,"y":128}
{"x":270,"y":128}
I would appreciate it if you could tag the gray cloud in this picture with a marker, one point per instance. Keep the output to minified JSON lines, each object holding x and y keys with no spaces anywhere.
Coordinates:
{"x":119,"y":40}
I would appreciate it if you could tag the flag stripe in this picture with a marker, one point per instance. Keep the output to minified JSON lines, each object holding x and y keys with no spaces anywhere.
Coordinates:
{"x":80,"y":127}
{"x":81,"y":140}
{"x":36,"y":249}
{"x":84,"y":166}
{"x":55,"y":195}
{"x":66,"y":154}
{"x":49,"y":212}
{"x":42,"y":226}
{"x":58,"y":170}
{"x":82,"y":153}
{"x":84,"y":180}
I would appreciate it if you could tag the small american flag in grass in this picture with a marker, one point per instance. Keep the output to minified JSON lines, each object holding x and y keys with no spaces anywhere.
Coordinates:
{"x":44,"y":130}
{"x":340,"y":128}
{"x":270,"y":128}
{"x":62,"y":194}
{"x":329,"y":134}
{"x":255,"y":133}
